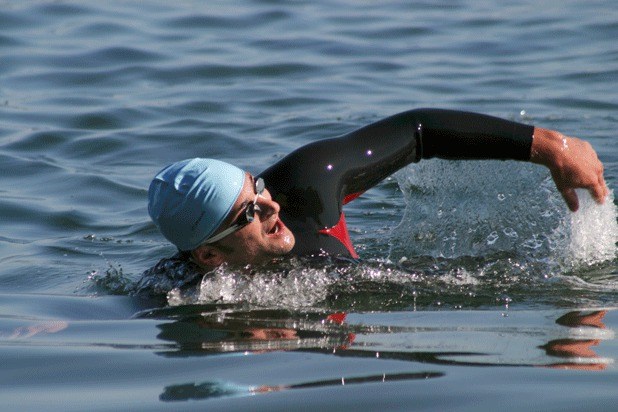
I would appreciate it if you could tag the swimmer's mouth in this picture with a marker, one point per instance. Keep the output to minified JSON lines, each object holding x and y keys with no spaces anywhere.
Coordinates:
{"x":277,"y":227}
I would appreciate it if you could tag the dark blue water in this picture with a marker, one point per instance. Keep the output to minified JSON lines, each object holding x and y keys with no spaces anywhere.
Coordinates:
{"x":478,"y":289}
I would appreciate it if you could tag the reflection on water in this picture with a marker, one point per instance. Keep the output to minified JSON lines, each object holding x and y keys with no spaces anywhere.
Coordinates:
{"x":26,"y":332}
{"x":209,"y":330}
{"x":207,"y":390}
{"x":376,"y":348}
{"x":255,"y":332}
{"x":205,"y":330}
{"x":578,"y":353}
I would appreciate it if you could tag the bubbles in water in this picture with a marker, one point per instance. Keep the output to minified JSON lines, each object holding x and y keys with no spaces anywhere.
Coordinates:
{"x":510,"y":232}
{"x":492,"y":238}
{"x":499,"y":206}
{"x":288,"y":284}
{"x":533,"y":243}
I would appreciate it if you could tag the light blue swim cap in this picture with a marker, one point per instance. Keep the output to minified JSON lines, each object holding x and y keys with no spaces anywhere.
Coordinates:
{"x":189,"y":200}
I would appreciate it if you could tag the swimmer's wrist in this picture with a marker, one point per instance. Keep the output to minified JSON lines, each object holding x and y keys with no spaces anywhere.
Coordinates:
{"x":547,"y":146}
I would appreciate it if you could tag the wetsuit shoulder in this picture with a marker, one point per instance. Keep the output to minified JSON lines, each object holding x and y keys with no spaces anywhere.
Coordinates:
{"x":313,"y":183}
{"x":177,"y":271}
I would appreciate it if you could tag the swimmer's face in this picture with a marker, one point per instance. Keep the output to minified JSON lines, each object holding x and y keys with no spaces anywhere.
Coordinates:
{"x":259,"y":241}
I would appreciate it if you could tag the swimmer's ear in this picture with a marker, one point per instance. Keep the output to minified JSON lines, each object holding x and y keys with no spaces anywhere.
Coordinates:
{"x":207,"y":256}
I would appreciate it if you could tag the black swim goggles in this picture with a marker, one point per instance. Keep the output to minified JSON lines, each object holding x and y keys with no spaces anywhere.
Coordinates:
{"x":245,"y":218}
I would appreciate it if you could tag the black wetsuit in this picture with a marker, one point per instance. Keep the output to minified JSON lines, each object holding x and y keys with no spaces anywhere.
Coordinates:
{"x":314,"y":182}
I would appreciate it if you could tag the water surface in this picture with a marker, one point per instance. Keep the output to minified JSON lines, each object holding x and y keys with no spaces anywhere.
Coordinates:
{"x":477,"y":290}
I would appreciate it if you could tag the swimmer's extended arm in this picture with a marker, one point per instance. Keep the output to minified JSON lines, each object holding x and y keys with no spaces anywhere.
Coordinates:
{"x":425,"y":133}
{"x":573,"y":164}
{"x":341,"y":167}
{"x":449,"y":134}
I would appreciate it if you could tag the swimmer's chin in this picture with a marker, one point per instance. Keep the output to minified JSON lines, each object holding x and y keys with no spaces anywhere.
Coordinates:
{"x":289,"y":241}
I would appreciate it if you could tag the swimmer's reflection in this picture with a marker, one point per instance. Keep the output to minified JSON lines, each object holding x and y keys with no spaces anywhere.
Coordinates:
{"x":275,"y":331}
{"x":330,"y":335}
{"x":208,"y":334}
{"x":577,"y":353}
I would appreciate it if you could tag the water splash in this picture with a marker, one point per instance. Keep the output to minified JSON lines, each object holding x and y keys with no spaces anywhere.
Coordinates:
{"x":111,"y":281}
{"x":295,"y":283}
{"x":292,"y":286}
{"x":421,"y":282}
{"x":594,"y":231}
{"x":479,"y":208}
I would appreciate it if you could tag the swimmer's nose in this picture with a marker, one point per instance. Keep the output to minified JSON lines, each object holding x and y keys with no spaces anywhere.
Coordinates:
{"x":267,"y":207}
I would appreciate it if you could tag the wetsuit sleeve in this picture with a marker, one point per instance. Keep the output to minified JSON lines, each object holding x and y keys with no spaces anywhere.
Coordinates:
{"x":380,"y":149}
{"x":452,"y":134}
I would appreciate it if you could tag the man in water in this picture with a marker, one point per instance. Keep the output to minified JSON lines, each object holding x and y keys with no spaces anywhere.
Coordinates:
{"x":216,"y":213}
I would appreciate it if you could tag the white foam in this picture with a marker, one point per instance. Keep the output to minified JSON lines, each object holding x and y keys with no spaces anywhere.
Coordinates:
{"x":295,"y":286}
{"x":593,"y":231}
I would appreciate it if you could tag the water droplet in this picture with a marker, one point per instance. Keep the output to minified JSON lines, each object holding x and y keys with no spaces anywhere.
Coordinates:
{"x":505,"y":299}
{"x":492,"y":238}
{"x":510,"y":232}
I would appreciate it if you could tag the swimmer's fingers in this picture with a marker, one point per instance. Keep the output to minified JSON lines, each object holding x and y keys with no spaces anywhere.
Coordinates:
{"x":599,"y":190}
{"x":587,"y":169}
{"x":573,"y":164}
{"x":571,"y":199}
{"x":582,"y":171}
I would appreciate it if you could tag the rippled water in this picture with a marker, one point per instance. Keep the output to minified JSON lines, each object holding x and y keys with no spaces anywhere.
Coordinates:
{"x":465,"y":264}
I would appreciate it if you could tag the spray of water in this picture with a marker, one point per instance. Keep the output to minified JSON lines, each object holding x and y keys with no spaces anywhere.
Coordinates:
{"x":593,"y":232}
{"x":459,"y":209}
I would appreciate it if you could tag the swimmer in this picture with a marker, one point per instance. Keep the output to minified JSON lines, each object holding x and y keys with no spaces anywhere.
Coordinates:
{"x":216,"y":213}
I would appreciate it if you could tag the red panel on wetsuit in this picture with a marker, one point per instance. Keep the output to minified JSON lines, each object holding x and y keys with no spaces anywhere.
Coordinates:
{"x":351,"y":197}
{"x":340,"y":230}
{"x":338,"y":317}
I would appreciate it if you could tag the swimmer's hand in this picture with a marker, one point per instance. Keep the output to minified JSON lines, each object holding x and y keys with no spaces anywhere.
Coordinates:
{"x":573,"y":164}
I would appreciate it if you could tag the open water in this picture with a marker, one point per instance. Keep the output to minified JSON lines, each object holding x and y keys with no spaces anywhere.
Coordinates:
{"x":478,"y":290}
